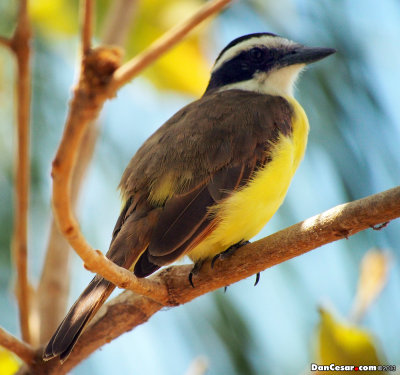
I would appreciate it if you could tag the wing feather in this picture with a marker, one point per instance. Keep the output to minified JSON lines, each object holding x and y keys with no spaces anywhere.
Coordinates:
{"x":180,"y":218}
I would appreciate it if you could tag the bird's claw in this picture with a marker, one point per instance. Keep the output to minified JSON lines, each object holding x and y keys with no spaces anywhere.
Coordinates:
{"x":195,"y":270}
{"x":228,"y":252}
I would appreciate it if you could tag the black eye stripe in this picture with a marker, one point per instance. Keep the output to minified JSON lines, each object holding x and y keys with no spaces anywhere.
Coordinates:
{"x":245,"y":65}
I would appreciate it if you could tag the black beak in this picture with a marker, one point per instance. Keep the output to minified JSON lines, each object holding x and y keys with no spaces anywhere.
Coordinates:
{"x":305,"y":55}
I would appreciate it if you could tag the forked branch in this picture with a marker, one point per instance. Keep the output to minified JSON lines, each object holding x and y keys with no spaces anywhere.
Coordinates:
{"x":133,"y":67}
{"x":54,"y":284}
{"x":21,"y":349}
{"x":97,"y":83}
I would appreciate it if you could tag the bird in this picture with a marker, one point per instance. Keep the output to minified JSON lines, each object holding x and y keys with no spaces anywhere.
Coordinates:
{"x":211,"y":176}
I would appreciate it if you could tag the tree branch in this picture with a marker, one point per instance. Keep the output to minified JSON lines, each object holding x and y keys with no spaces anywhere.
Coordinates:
{"x":118,"y":22}
{"x":6,"y":42}
{"x":11,"y":343}
{"x":133,"y":67}
{"x":128,"y":310}
{"x":53,"y":289}
{"x":20,"y":45}
{"x":55,"y":280}
{"x":87,"y":25}
{"x":98,"y":69}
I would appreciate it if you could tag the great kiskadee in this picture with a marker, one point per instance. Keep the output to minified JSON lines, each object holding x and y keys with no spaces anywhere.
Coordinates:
{"x":212,"y":175}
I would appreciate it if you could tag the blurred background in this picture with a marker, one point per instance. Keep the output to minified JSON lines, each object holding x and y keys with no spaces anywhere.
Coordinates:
{"x":302,"y":311}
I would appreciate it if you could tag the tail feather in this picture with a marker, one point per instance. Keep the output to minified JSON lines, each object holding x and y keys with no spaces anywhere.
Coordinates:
{"x":77,"y":318}
{"x":131,"y":236}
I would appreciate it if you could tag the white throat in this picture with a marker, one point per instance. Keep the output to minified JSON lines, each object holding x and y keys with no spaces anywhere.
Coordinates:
{"x":276,"y":82}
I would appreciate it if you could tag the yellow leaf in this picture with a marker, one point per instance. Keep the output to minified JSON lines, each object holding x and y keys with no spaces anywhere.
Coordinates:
{"x":373,"y":277}
{"x":55,"y":16}
{"x":8,"y":362}
{"x":184,"y":68}
{"x":342,"y":343}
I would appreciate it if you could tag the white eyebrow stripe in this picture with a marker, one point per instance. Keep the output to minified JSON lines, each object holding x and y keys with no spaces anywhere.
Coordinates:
{"x":268,"y":41}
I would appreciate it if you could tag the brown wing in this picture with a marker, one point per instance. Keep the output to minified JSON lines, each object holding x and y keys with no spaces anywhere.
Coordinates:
{"x":207,"y":150}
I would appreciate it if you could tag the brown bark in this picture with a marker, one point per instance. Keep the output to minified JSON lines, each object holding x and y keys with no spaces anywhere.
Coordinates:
{"x":128,"y":310}
{"x":54,"y":284}
{"x":21,"y":349}
{"x":19,"y":44}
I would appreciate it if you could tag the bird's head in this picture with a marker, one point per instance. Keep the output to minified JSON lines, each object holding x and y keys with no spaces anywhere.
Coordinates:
{"x":262,"y":62}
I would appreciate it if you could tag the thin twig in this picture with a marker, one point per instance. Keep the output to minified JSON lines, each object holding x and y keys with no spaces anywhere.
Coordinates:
{"x":93,"y":89}
{"x":6,"y":42}
{"x":20,"y":45}
{"x":128,"y":310}
{"x":87,"y":25}
{"x":133,"y":67}
{"x":119,"y":21}
{"x":21,"y":349}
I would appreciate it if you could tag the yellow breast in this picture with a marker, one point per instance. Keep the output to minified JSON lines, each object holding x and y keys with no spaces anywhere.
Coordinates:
{"x":245,"y":213}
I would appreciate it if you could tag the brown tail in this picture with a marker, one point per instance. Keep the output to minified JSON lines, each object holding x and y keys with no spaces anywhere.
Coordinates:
{"x":78,"y":316}
{"x":131,"y":236}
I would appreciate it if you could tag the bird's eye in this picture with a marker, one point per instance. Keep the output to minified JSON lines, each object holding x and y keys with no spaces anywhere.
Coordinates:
{"x":256,"y":54}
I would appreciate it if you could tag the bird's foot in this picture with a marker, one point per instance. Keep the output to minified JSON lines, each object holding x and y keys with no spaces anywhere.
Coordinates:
{"x":228,"y":252}
{"x":195,"y":270}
